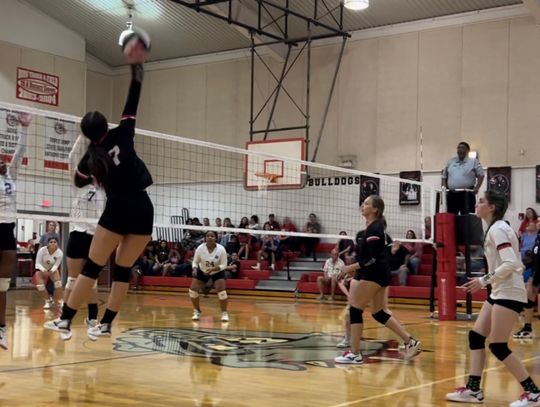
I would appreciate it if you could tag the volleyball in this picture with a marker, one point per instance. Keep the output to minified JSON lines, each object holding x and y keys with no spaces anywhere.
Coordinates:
{"x":135,"y":44}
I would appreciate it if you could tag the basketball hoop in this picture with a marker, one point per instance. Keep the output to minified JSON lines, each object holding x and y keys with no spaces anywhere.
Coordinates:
{"x":264,"y":179}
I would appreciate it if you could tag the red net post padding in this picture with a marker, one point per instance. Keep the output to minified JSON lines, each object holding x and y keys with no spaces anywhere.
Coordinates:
{"x":446,"y":265}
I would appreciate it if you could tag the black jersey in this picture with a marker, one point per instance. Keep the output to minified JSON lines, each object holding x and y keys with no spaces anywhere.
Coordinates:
{"x":371,"y":254}
{"x":128,"y":173}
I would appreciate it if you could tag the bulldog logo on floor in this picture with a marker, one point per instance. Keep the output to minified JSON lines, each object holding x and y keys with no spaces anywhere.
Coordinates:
{"x":243,"y":349}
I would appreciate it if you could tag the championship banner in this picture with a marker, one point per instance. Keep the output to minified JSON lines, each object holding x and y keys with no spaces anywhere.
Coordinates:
{"x":410,"y":194}
{"x":368,"y":186}
{"x":60,"y":136}
{"x":37,"y":86}
{"x":9,"y":135}
{"x":500,"y":179}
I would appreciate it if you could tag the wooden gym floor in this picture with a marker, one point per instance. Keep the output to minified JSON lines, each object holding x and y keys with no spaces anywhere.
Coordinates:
{"x":273,"y":352}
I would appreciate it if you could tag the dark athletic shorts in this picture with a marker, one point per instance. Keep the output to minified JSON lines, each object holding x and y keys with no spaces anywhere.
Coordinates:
{"x":206,"y":277}
{"x":510,"y":304}
{"x":78,"y":245}
{"x":7,"y":236}
{"x":128,"y":214}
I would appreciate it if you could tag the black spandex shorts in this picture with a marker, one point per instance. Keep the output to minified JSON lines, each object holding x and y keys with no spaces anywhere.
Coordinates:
{"x":78,"y":246}
{"x":128,"y":214}
{"x":510,"y":304}
{"x":205,"y":277}
{"x":382,"y":279}
{"x":7,"y":236}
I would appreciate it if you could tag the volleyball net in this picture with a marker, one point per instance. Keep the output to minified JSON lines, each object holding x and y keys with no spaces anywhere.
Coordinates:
{"x":199,"y":179}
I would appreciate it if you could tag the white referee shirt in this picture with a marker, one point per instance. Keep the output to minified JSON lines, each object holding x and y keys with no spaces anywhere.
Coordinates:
{"x":48,"y":262}
{"x":204,"y":260}
{"x":505,"y":269}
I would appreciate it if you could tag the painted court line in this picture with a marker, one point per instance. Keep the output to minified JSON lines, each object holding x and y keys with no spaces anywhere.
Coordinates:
{"x":420,"y":386}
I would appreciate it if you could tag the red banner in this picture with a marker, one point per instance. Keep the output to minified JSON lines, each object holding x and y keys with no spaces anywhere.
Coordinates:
{"x":37,"y":86}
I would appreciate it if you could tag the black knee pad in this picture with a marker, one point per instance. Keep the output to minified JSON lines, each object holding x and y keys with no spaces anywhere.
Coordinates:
{"x":529,"y":305}
{"x":121,"y":274}
{"x":355,"y":315}
{"x":476,"y":341}
{"x":500,"y":350}
{"x":91,"y":269}
{"x":381,"y":317}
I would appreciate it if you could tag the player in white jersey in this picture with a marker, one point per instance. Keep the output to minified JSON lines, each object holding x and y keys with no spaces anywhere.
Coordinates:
{"x":48,"y":261}
{"x":8,"y":209}
{"x":88,"y":203}
{"x":501,"y":310}
{"x":209,"y":262}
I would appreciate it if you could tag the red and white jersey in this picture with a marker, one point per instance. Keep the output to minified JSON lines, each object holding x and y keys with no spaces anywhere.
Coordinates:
{"x":48,"y":262}
{"x":89,"y":201}
{"x":204,"y":259}
{"x":505,"y":269}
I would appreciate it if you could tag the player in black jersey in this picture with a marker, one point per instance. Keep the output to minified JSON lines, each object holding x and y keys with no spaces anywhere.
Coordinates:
{"x":372,"y":276}
{"x":127,"y":221}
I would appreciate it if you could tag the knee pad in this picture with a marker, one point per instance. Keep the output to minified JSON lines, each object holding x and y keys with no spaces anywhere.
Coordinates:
{"x":58,"y":284}
{"x":500,"y":350}
{"x":121,"y":274}
{"x":193,"y":294}
{"x":40,"y":287}
{"x":222,"y":295}
{"x":71,"y":282}
{"x":4,"y":284}
{"x":381,"y":317}
{"x":529,"y":305}
{"x":355,"y":315}
{"x":91,"y":269}
{"x":476,"y":341}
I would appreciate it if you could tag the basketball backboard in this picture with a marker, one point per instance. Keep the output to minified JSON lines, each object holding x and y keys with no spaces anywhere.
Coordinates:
{"x":285,"y":174}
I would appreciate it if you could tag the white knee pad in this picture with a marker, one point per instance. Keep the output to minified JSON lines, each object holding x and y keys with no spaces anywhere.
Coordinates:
{"x":40,"y":287}
{"x":4,"y":284}
{"x":193,"y":294}
{"x":58,"y":284}
{"x":70,"y":283}
{"x":222,"y":295}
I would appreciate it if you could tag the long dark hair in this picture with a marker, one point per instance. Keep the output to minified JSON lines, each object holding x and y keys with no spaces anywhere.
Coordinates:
{"x":499,"y":201}
{"x":378,"y":203}
{"x":94,"y":126}
{"x":533,"y":212}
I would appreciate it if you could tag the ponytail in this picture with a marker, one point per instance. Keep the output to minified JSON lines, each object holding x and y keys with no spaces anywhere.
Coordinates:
{"x":499,"y":201}
{"x":99,"y":163}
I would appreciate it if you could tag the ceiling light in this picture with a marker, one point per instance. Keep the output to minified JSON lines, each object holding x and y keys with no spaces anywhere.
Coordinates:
{"x":356,"y":5}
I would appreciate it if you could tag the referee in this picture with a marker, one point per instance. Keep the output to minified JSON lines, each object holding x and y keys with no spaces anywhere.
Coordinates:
{"x":462,"y":172}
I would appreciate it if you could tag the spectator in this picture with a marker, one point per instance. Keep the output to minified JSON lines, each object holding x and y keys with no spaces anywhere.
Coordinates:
{"x":225,"y":236}
{"x":176,"y":258}
{"x":415,"y":252}
{"x":206,"y":222}
{"x":233,"y":267}
{"x":427,"y":227}
{"x":51,"y":233}
{"x":33,"y":243}
{"x":219,"y":224}
{"x":398,"y":256}
{"x":162,"y":257}
{"x":345,"y":248}
{"x":233,"y":245}
{"x":462,"y":172}
{"x":288,"y":242}
{"x":332,"y":269}
{"x":244,"y":238}
{"x":269,"y":247}
{"x":148,"y":259}
{"x":530,"y":217}
{"x":310,"y":243}
{"x":274,"y":225}
{"x":528,"y":238}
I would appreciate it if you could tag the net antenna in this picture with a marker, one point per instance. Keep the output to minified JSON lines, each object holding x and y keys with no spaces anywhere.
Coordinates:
{"x":264,"y":179}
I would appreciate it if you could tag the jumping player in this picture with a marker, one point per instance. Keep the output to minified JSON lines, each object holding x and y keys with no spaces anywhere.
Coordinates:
{"x":372,"y":276}
{"x":501,"y":310}
{"x":127,"y":221}
{"x":209,"y":263}
{"x":8,"y":208}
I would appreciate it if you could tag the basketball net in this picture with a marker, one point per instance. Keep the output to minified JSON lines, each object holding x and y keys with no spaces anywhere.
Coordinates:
{"x":264,"y":179}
